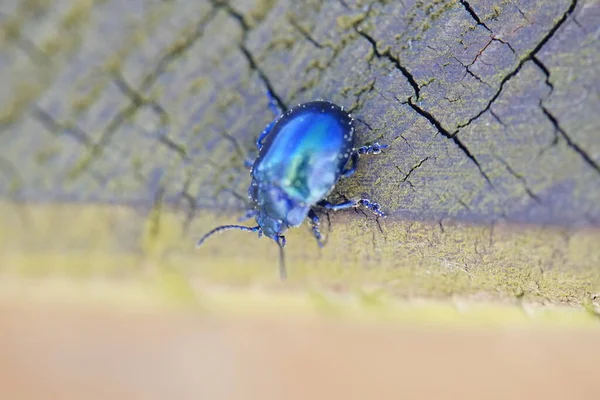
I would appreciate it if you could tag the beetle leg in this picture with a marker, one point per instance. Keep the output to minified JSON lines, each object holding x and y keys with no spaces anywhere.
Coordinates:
{"x":374,"y":207}
{"x":277,"y":111}
{"x":274,"y":105}
{"x":375,"y":148}
{"x":350,"y":171}
{"x":315,"y":222}
{"x":280,"y":240}
{"x":264,"y":134}
{"x":249,"y":214}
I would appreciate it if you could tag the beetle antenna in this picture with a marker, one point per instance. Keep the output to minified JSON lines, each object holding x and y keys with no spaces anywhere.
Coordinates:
{"x":282,"y":271}
{"x":224,"y":228}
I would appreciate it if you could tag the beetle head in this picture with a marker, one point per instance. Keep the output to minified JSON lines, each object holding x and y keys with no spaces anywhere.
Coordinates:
{"x":277,"y":211}
{"x":279,"y":239}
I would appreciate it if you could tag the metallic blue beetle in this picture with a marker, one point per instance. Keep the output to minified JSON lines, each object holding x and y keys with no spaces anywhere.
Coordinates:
{"x":302,"y":154}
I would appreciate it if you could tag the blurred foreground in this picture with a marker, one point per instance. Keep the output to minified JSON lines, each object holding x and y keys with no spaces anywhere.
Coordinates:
{"x":97,"y":349}
{"x":97,"y":302}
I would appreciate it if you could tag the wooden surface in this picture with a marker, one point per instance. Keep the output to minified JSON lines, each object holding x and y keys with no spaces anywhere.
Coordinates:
{"x":367,"y":260}
{"x":489,"y":107}
{"x":123,"y":130}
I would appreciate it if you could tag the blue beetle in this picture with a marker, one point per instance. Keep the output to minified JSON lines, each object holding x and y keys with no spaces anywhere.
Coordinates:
{"x":302,"y":154}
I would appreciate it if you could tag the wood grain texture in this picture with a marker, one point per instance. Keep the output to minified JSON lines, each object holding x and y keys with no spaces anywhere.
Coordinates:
{"x":489,"y":108}
{"x":370,"y":262}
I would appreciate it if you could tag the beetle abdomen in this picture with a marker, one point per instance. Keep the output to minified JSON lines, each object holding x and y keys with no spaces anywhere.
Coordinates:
{"x":306,"y":151}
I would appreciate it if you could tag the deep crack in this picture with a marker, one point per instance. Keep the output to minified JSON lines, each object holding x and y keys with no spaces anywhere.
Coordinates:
{"x":414,"y":167}
{"x":473,"y":14}
{"x":411,"y":80}
{"x":557,"y":128}
{"x":176,"y":147}
{"x":96,"y":149}
{"x":394,"y":60}
{"x":450,"y":136}
{"x":528,"y":57}
{"x":176,"y":52}
{"x":58,"y":129}
{"x":546,"y":72}
{"x":247,"y":54}
{"x":586,"y":157}
{"x":522,"y":179}
{"x":140,"y":101}
{"x":305,"y":33}
{"x":358,"y":97}
{"x":263,"y":77}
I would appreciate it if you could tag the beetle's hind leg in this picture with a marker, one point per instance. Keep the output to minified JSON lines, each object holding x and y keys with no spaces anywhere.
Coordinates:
{"x":374,"y":207}
{"x":315,"y":225}
{"x":375,"y":148}
{"x":352,"y":169}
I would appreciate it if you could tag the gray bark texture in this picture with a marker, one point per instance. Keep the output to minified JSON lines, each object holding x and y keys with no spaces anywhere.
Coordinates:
{"x":491,"y":108}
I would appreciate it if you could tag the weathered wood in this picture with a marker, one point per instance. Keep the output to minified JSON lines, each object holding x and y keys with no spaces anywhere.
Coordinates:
{"x":490,"y":107}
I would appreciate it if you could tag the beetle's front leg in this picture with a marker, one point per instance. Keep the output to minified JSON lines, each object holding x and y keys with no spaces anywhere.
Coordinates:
{"x":274,"y":105}
{"x":247,"y":215}
{"x":374,"y":207}
{"x":375,"y":148}
{"x":315,"y":222}
{"x":264,"y":134}
{"x":277,"y":111}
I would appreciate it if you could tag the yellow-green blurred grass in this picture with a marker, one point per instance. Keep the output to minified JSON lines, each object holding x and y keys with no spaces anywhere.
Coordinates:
{"x":171,"y":293}
{"x":360,"y":271}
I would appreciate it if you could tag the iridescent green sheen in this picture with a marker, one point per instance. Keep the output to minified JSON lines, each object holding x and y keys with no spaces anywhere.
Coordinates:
{"x":306,"y":150}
